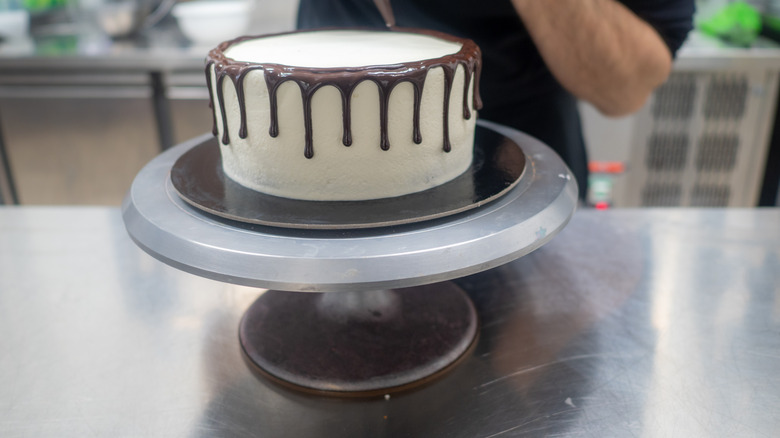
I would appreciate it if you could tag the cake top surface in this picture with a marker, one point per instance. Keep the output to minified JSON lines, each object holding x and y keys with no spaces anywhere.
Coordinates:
{"x":341,"y":48}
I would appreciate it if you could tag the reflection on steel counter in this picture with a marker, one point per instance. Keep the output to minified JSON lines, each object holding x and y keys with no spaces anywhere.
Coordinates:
{"x":630,"y":322}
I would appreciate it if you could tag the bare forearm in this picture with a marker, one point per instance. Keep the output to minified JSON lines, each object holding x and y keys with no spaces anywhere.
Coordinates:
{"x":599,"y":50}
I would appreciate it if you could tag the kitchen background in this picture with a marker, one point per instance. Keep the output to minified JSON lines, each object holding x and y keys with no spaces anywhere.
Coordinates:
{"x":91,"y":90}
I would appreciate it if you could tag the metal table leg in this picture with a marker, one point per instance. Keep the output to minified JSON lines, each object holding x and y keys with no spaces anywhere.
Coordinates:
{"x":8,"y":193}
{"x":162,"y":110}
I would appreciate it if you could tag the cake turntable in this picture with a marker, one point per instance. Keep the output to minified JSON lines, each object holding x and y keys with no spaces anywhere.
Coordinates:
{"x":383,"y":316}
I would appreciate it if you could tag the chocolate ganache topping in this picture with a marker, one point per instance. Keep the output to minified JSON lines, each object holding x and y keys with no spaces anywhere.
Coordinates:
{"x":346,"y":79}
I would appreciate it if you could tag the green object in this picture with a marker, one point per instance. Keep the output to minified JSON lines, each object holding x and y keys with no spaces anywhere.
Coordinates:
{"x":738,"y":23}
{"x":43,"y":5}
{"x":771,"y":23}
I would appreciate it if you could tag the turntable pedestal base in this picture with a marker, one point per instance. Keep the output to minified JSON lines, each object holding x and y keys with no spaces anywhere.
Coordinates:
{"x":355,"y":342}
{"x":359,"y":343}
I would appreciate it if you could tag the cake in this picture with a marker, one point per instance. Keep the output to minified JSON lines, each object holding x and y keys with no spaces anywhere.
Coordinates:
{"x":344,"y":114}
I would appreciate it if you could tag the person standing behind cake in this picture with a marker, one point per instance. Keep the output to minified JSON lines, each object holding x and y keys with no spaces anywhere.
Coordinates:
{"x":540,"y":56}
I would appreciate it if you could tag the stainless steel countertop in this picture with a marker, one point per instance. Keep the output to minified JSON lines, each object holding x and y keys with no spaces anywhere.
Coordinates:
{"x":163,"y":49}
{"x":628,"y":323}
{"x":75,"y":40}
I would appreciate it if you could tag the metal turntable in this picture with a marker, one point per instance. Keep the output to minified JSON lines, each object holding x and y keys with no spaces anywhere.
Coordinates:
{"x":381,"y":315}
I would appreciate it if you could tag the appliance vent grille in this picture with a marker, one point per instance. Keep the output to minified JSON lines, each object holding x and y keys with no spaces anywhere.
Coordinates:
{"x":710,"y":195}
{"x":701,"y":139}
{"x":726,"y":98}
{"x":667,"y":151}
{"x":675,"y":99}
{"x":717,"y":152}
{"x":661,"y":195}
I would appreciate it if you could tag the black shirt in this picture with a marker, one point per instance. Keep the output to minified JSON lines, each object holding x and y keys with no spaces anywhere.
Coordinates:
{"x":516,"y":87}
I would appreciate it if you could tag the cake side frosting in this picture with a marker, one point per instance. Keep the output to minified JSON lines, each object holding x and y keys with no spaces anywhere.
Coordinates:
{"x":368,"y":131}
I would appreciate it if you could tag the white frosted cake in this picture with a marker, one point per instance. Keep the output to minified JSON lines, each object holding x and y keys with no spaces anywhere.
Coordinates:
{"x":344,"y":114}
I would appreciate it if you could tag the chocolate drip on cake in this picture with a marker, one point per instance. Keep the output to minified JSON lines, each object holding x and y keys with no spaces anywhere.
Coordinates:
{"x":310,"y":79}
{"x":346,"y":104}
{"x":214,"y":129}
